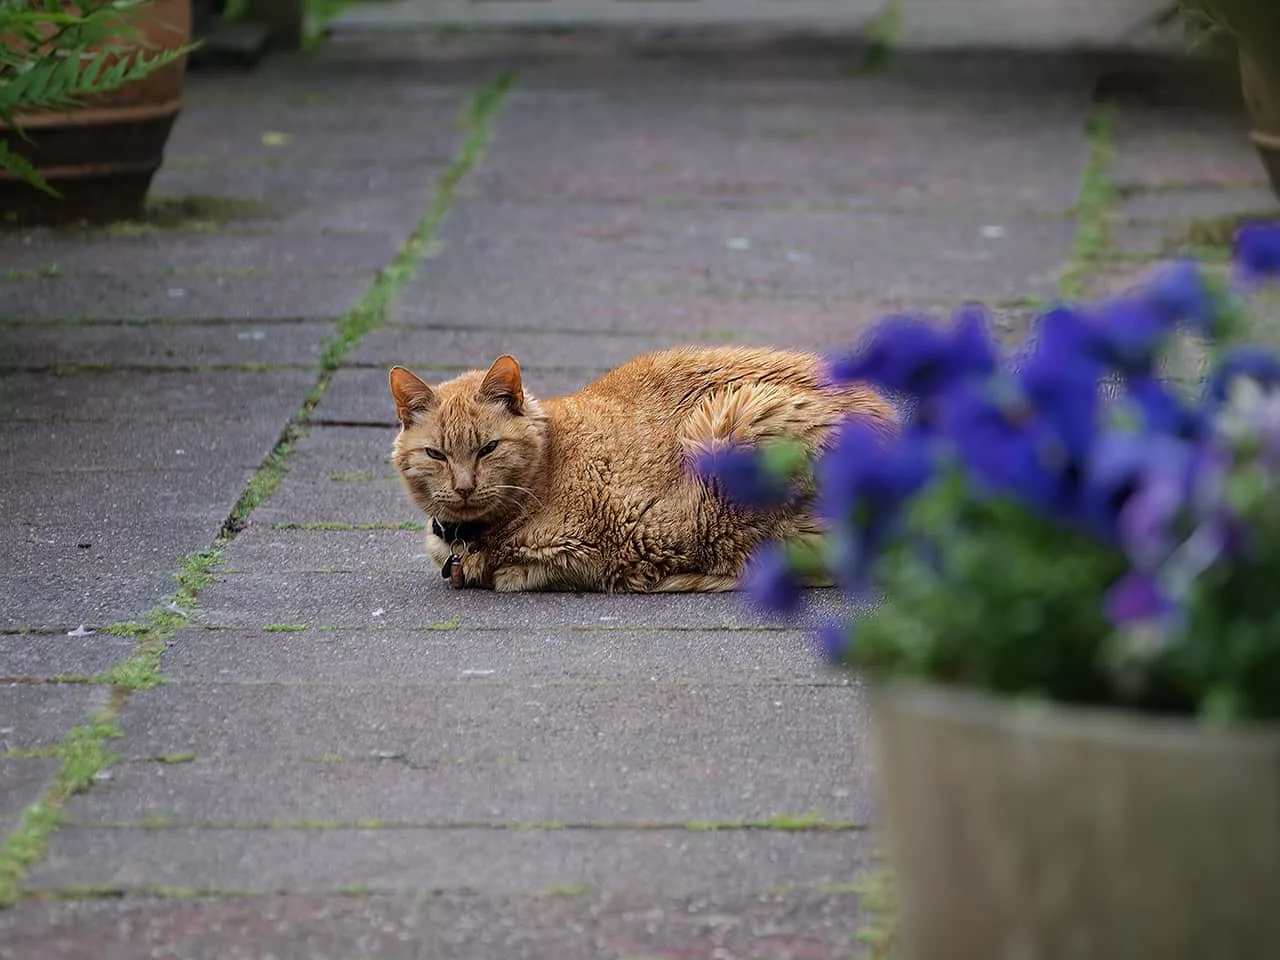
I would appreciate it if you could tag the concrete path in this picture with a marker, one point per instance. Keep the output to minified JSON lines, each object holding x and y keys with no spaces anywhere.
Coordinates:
{"x":346,"y":759}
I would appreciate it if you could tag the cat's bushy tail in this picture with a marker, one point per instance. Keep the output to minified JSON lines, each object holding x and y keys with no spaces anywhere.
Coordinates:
{"x":744,"y":414}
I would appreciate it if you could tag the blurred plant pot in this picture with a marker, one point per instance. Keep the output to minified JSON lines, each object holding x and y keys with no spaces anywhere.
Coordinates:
{"x":1047,"y":832}
{"x":1260,"y":79}
{"x":102,"y":155}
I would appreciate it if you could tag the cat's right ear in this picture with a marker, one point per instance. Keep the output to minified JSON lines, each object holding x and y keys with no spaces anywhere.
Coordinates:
{"x":412,"y":396}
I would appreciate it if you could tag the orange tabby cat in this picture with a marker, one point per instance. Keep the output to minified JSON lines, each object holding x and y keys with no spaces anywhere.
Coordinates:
{"x":595,"y":491}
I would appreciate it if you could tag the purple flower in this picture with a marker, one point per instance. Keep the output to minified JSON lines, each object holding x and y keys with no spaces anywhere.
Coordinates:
{"x":742,"y":475}
{"x":864,"y":468}
{"x":973,"y":351}
{"x":1162,"y":410}
{"x":1063,"y":389}
{"x":1181,"y":294}
{"x":835,"y":640}
{"x":1137,"y":598}
{"x":1064,"y":332}
{"x":1148,"y":519}
{"x":1012,"y":449}
{"x":1249,"y":361}
{"x":1131,"y":332}
{"x":1139,"y":483}
{"x":911,"y":355}
{"x":770,"y":581}
{"x":1257,"y":251}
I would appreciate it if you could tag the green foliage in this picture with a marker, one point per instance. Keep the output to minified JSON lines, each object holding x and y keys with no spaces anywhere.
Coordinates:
{"x":1255,"y":22}
{"x":1006,"y":600}
{"x":54,"y":58}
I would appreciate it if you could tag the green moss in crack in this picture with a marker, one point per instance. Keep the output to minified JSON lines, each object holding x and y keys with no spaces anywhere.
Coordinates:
{"x":193,"y":213}
{"x":176,"y":757}
{"x":878,"y":902}
{"x":84,"y":755}
{"x":1095,"y":206}
{"x":355,"y":476}
{"x":264,"y":482}
{"x":564,"y":890}
{"x":285,"y":627}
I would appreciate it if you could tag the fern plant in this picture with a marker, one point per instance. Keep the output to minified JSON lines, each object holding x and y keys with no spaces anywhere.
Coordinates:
{"x":54,"y":55}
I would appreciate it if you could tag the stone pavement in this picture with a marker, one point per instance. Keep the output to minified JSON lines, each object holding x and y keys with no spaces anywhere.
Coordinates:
{"x":346,"y":759}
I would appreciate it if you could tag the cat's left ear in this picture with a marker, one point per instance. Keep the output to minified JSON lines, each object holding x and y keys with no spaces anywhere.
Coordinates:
{"x":411,"y":393}
{"x":503,"y":384}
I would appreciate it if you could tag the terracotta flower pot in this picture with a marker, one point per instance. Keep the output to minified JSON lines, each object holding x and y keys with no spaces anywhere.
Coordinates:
{"x":1049,"y":832}
{"x":1260,"y":79}
{"x":101,"y":156}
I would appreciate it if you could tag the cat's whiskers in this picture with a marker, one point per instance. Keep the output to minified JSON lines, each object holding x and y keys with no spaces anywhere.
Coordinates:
{"x":524,"y":490}
{"x":495,"y":503}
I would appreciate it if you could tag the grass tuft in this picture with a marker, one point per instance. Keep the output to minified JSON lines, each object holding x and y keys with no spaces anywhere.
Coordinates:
{"x":1096,"y":205}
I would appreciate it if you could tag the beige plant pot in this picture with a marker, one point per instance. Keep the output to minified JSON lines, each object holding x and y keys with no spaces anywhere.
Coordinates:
{"x":102,"y":155}
{"x":1045,"y":833}
{"x":1260,"y":83}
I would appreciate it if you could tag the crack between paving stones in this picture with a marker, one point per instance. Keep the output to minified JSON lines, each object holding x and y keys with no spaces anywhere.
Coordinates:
{"x":83,"y":751}
{"x":797,"y":824}
{"x":112,"y":891}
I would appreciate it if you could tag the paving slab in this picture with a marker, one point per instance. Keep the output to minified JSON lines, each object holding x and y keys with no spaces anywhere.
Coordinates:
{"x":177,"y":396}
{"x":66,"y":599}
{"x":266,"y":548}
{"x":570,"y":924}
{"x":300,"y":502}
{"x":280,"y":184}
{"x":1196,"y":202}
{"x":428,"y":723}
{"x":1173,"y":143}
{"x":671,"y":863}
{"x":312,"y":655}
{"x":497,"y":255}
{"x":869,"y":141}
{"x":164,"y":451}
{"x":228,"y":250}
{"x":23,"y":781}
{"x":416,"y":600}
{"x":422,"y":349}
{"x":44,"y":347}
{"x":315,"y":132}
{"x":700,"y":787}
{"x":111,"y":296}
{"x":28,"y":655}
{"x":93,"y":539}
{"x":99,"y":512}
{"x":39,"y":715}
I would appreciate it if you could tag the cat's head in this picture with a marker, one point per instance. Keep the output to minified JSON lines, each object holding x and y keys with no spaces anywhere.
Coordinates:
{"x":472,"y":448}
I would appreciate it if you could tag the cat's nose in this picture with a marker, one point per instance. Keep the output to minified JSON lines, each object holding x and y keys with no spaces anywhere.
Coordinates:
{"x":463,"y":492}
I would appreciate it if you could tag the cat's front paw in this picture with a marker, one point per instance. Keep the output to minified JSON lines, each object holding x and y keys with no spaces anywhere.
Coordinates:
{"x":438,"y":550}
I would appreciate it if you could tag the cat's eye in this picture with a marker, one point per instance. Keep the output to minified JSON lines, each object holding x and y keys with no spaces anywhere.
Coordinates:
{"x":434,"y":454}
{"x":487,"y":449}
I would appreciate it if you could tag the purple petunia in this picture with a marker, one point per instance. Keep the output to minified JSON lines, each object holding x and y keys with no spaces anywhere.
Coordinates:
{"x":1131,"y":332}
{"x":744,"y":477}
{"x":911,"y":355}
{"x":865,"y":467}
{"x":1181,"y":294}
{"x":1256,"y":363}
{"x":771,"y":583}
{"x":835,"y":640}
{"x":1137,"y":599}
{"x":1257,"y":251}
